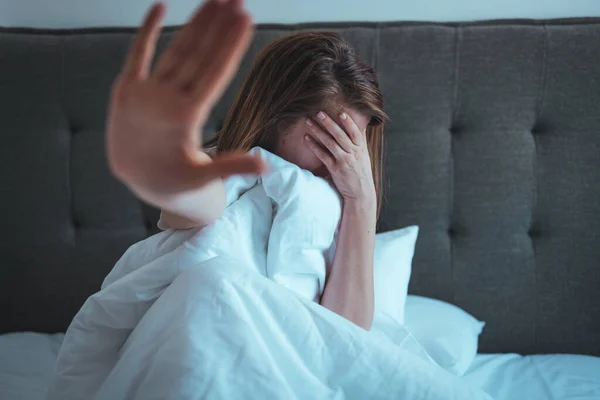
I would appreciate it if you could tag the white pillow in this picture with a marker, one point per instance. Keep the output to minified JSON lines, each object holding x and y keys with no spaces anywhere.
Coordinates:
{"x":449,"y":334}
{"x":392,"y":266}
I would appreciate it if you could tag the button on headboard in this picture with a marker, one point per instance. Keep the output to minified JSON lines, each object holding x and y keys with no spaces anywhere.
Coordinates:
{"x":493,"y":149}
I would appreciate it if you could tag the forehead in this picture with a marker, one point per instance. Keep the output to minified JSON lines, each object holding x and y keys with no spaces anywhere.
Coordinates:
{"x":360,"y":118}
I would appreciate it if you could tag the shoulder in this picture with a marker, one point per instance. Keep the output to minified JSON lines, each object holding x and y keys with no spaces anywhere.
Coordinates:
{"x":169,"y":220}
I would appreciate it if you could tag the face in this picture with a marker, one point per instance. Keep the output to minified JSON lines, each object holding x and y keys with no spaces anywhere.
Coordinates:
{"x":291,"y":146}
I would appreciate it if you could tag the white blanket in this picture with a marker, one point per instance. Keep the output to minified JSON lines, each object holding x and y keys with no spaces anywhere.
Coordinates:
{"x":193,"y":314}
{"x":281,"y":224}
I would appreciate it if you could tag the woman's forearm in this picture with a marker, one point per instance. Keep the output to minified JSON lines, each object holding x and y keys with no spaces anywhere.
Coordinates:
{"x":195,"y":208}
{"x":349,"y":287}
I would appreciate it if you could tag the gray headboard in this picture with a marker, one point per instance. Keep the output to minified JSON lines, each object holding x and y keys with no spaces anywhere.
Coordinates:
{"x":493,"y":149}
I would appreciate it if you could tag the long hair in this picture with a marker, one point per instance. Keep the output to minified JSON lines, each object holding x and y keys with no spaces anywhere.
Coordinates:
{"x":298,"y":75}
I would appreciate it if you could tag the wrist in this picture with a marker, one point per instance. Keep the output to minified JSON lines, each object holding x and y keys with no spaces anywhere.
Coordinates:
{"x":365,"y":198}
{"x":364,"y":205}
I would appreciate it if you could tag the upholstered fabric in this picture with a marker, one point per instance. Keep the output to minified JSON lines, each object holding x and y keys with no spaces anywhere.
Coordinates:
{"x":493,"y":150}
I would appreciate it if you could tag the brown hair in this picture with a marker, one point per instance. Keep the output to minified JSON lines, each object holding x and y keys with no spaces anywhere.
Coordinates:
{"x":297,"y":75}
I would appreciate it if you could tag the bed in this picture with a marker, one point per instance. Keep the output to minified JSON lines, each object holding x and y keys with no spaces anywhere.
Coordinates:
{"x":492,"y":149}
{"x":28,"y":359}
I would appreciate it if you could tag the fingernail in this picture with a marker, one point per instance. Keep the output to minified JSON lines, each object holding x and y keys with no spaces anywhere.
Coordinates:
{"x":309,"y":122}
{"x":343,"y":116}
{"x":321,"y":115}
{"x":308,"y":138}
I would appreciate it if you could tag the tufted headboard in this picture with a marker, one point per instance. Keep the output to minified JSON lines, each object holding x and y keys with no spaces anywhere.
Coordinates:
{"x":493,"y":149}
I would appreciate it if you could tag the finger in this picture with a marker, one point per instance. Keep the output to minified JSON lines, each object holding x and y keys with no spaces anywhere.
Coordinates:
{"x":203,"y":32}
{"x":340,"y":136}
{"x":214,"y":74}
{"x":141,"y":52}
{"x":225,"y":166}
{"x":354,"y":133}
{"x":325,"y":139}
{"x":181,"y":45}
{"x":322,"y":154}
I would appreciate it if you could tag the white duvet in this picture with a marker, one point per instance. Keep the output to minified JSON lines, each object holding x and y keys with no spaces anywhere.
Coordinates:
{"x":226,"y":312}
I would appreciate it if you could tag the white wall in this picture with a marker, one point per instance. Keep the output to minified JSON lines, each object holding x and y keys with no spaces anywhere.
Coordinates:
{"x":85,"y":13}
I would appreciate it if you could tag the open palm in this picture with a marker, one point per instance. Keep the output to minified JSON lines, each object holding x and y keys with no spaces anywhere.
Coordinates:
{"x":155,"y":117}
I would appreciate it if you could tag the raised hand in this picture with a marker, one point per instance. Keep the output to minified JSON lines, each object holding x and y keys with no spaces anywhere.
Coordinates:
{"x":342,"y":148}
{"x":155,"y":117}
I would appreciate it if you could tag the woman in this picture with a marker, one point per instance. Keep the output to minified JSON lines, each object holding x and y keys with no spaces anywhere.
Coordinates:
{"x":309,"y":99}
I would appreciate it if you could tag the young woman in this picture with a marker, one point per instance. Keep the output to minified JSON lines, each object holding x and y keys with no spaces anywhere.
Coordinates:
{"x":309,"y":98}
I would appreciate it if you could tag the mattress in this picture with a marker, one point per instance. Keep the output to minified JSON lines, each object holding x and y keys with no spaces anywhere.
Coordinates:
{"x":26,"y":364}
{"x":27,"y":359}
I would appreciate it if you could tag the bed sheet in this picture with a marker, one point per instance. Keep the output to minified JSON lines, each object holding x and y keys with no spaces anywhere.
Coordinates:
{"x":537,"y":377}
{"x":26,"y":364}
{"x":27,"y":360}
